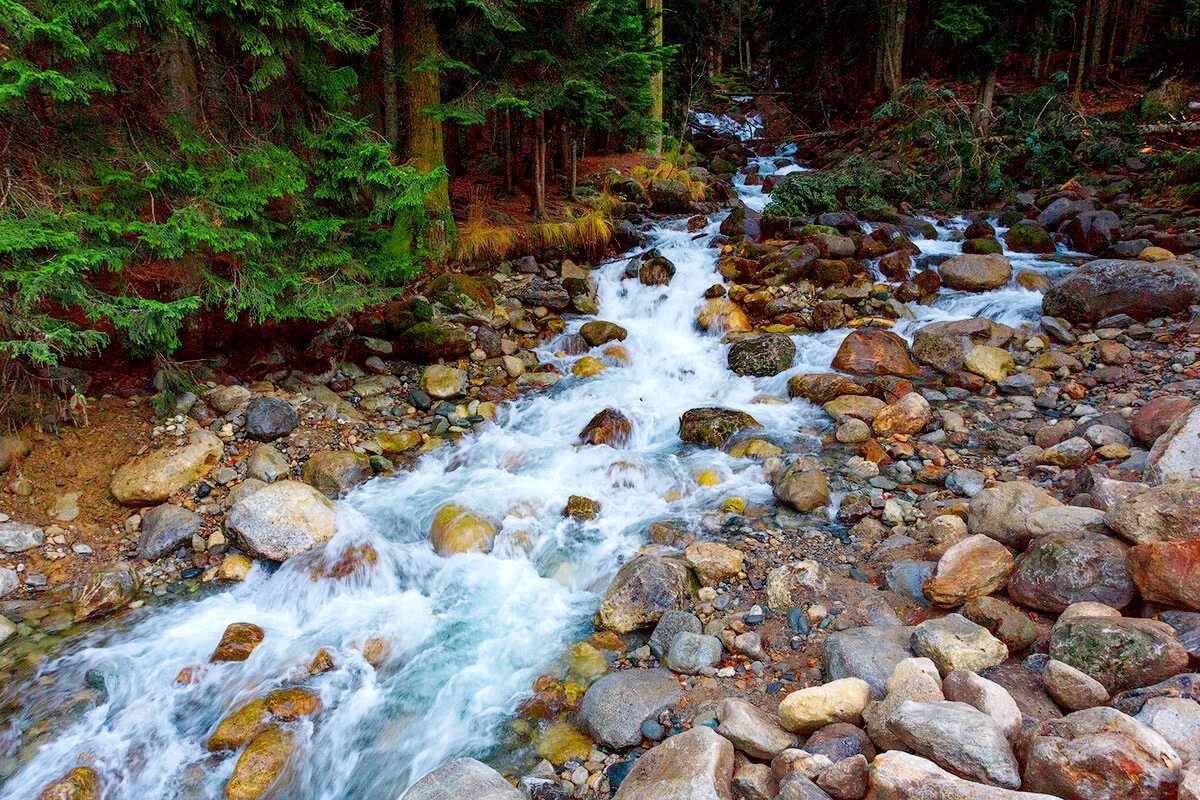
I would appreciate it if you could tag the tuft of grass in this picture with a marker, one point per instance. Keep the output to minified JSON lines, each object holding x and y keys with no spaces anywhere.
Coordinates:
{"x":480,"y":241}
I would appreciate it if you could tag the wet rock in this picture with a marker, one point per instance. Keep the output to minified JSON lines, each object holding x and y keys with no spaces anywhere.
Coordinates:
{"x":944,"y":345}
{"x":234,"y":567}
{"x":1119,"y":652}
{"x":908,"y":416}
{"x":165,"y":528}
{"x":614,"y":708}
{"x":266,"y":464}
{"x":720,"y":314}
{"x":1100,"y":754}
{"x":281,"y":520}
{"x":975,"y":273}
{"x":870,"y":351}
{"x":1027,"y":236}
{"x":237,"y":642}
{"x":81,"y":783}
{"x":1167,"y":572}
{"x":1002,"y":512}
{"x":1161,"y":513}
{"x":598,"y":332}
{"x":444,"y":383}
{"x":293,"y":703}
{"x":954,"y":642}
{"x":1071,"y":688}
{"x":236,"y":730}
{"x":751,"y":730}
{"x":691,"y":653}
{"x":713,"y":562}
{"x":656,"y":269}
{"x":335,"y":472}
{"x":457,"y":530}
{"x":107,"y":591}
{"x":870,"y":653}
{"x":1138,"y":289}
{"x":1156,"y":417}
{"x":269,"y":418}
{"x":802,"y":485}
{"x":713,"y":427}
{"x":989,"y":363}
{"x":854,"y":407}
{"x":1004,"y":622}
{"x":976,"y":566}
{"x":151,"y":478}
{"x":1060,"y":569}
{"x":762,"y":355}
{"x":902,"y":776}
{"x":694,"y":765}
{"x":461,"y":779}
{"x":581,"y":509}
{"x":645,"y":588}
{"x":959,"y":738}
{"x":669,"y":196}
{"x":17,"y":537}
{"x":988,"y":696}
{"x":260,"y":765}
{"x":609,"y":427}
{"x":842,"y":700}
{"x":822,"y":387}
{"x":1093,"y":231}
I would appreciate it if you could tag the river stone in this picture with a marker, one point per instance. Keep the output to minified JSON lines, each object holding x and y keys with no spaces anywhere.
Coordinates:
{"x":1186,"y":685}
{"x":238,"y":641}
{"x":1138,"y":289}
{"x":647,"y":587}
{"x":821,"y":387}
{"x":463,"y":779}
{"x":722,"y":315}
{"x":1060,"y":569}
{"x":239,"y":727}
{"x":269,"y":418}
{"x":461,"y":294}
{"x":903,"y":776}
{"x":1158,"y":513}
{"x":714,"y":427}
{"x":428,"y":341}
{"x":869,"y":653}
{"x":691,"y":653}
{"x":1028,"y":236}
{"x":165,"y":528}
{"x":457,"y":530}
{"x":10,"y":581}
{"x":954,"y":642}
{"x":975,"y":273}
{"x":976,"y":566}
{"x":260,"y":765}
{"x":713,"y":562}
{"x":1002,"y":511}
{"x":802,"y":485}
{"x":843,"y":700}
{"x":762,"y":355}
{"x":915,"y":679}
{"x":81,"y":783}
{"x":615,"y":706}
{"x":854,"y":407}
{"x":986,"y":695}
{"x":694,"y":765}
{"x":1065,"y":520}
{"x":1176,"y":719}
{"x":1069,"y":453}
{"x":108,"y":590}
{"x":1071,"y":688}
{"x":266,"y":464}
{"x":1100,"y":754}
{"x":335,"y":472}
{"x":671,"y":624}
{"x":1156,"y":417}
{"x":838,"y":741}
{"x":17,"y":537}
{"x":609,"y":427}
{"x":959,"y":738}
{"x":797,"y":583}
{"x":990,"y":363}
{"x":944,"y":345}
{"x":444,"y":383}
{"x":871,"y":351}
{"x":752,"y":731}
{"x":151,"y":478}
{"x":281,"y":520}
{"x":227,"y":398}
{"x":1006,"y":623}
{"x":908,"y":416}
{"x":1119,"y":652}
{"x":598,"y":332}
{"x":1167,"y":572}
{"x":1175,"y":455}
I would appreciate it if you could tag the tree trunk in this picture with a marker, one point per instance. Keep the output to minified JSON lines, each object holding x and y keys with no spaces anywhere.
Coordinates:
{"x":508,"y":152}
{"x":1096,"y":49}
{"x":387,"y":47}
{"x":1081,"y":36}
{"x":179,"y":72}
{"x":426,"y":140}
{"x":889,"y":69}
{"x":655,"y":7}
{"x":539,"y":167}
{"x":983,"y":104}
{"x":574,"y":166}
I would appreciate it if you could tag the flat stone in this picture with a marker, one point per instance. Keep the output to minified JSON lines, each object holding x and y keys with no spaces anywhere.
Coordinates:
{"x":751,"y":730}
{"x":903,"y":776}
{"x":151,"y":478}
{"x":17,"y":537}
{"x":954,"y":642}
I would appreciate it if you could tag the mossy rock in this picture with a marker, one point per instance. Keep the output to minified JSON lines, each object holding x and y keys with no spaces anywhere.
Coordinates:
{"x":982,"y":247}
{"x":427,"y":342}
{"x":462,"y":294}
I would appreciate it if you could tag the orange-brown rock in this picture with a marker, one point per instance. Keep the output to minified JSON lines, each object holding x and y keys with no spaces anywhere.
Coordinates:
{"x":260,"y":765}
{"x":870,"y":351}
{"x":1167,"y":572}
{"x":239,"y":727}
{"x":908,"y":415}
{"x":609,"y":427}
{"x":822,"y":387}
{"x":293,"y":703}
{"x":238,"y":642}
{"x":80,"y":783}
{"x":974,"y":567}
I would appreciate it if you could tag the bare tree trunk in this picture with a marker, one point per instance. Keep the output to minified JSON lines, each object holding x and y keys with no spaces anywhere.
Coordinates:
{"x":1096,"y":49}
{"x":179,"y":73}
{"x":983,"y":105}
{"x":655,"y":7}
{"x":1081,"y":36}
{"x":574,"y":167}
{"x":889,"y":63}
{"x":539,"y":166}
{"x":508,"y":152}
{"x":426,"y":139}
{"x":387,"y":46}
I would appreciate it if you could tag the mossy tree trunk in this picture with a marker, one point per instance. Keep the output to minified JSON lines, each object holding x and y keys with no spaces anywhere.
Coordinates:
{"x":655,"y":7}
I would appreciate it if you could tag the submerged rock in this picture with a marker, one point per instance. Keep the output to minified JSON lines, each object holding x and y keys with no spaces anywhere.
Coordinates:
{"x":81,"y":783}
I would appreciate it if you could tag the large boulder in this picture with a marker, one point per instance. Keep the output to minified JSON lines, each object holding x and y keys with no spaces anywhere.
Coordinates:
{"x":1157,"y":514}
{"x":945,"y":345}
{"x":896,"y":775}
{"x":1113,"y":286}
{"x":1002,"y":511}
{"x":1027,"y":236}
{"x":456,"y":293}
{"x":822,"y":387}
{"x":1100,"y":754}
{"x":694,"y":765}
{"x":1175,"y":455}
{"x":871,"y":351}
{"x":615,"y":706}
{"x":802,"y":485}
{"x":335,"y":472}
{"x":151,"y":478}
{"x":1156,"y":417}
{"x":714,"y":427}
{"x":960,"y":738}
{"x":261,"y":765}
{"x":1064,"y":568}
{"x":428,"y":341}
{"x":1093,"y":231}
{"x":281,"y":520}
{"x":463,"y":779}
{"x":752,"y":731}
{"x":1119,"y":652}
{"x":457,"y":530}
{"x":975,"y":273}
{"x":762,"y":355}
{"x":669,"y":196}
{"x":1167,"y":572}
{"x":647,"y":587}
{"x":976,"y":566}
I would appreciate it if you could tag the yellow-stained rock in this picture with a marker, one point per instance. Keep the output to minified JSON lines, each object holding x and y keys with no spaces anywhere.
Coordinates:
{"x":457,"y":530}
{"x":239,"y":727}
{"x":260,"y":764}
{"x":561,"y":742}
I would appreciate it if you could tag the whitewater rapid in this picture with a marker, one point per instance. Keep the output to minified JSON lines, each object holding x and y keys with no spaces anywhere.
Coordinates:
{"x":469,"y":634}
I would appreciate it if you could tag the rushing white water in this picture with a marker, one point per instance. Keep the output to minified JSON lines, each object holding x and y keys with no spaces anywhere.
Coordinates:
{"x":469,"y":634}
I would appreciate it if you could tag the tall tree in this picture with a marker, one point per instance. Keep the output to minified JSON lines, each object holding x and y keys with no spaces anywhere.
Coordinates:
{"x":426,"y":139}
{"x":655,"y":10}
